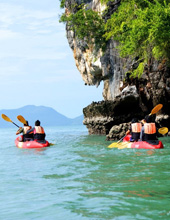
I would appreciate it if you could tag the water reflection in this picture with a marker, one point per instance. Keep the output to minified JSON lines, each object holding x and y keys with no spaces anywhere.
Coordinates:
{"x":36,"y":151}
{"x":141,"y":193}
{"x":149,"y":152}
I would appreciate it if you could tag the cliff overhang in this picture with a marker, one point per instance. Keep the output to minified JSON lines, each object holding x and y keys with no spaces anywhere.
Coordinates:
{"x":124,"y":96}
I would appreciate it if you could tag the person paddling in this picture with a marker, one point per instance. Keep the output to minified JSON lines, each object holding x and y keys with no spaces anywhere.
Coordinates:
{"x":134,"y":130}
{"x":25,"y":137}
{"x":149,"y":130}
{"x":38,"y":132}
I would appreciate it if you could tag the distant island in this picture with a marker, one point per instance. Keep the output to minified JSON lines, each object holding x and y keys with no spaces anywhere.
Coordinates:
{"x":48,"y":116}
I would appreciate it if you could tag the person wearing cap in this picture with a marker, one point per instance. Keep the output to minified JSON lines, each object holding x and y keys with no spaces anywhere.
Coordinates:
{"x":134,"y":130}
{"x":38,"y":132}
{"x":25,"y":137}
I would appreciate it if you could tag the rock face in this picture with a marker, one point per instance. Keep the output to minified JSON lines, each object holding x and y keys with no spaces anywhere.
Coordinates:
{"x":93,"y":67}
{"x":101,"y":116}
{"x":123,"y":99}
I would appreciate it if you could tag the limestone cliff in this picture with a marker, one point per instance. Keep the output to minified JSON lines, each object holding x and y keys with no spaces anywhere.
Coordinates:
{"x":122,"y":99}
{"x":107,"y":66}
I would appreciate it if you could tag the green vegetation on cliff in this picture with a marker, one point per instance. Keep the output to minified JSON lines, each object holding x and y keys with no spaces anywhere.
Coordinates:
{"x":143,"y":30}
{"x":141,"y":27}
{"x":87,"y":24}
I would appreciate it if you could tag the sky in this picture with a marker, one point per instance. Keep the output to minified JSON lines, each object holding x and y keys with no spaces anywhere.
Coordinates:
{"x":36,"y":63}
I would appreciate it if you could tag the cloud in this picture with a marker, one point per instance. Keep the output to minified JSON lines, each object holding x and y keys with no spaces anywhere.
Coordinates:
{"x":21,"y":19}
{"x":31,"y":34}
{"x":8,"y":34}
{"x":12,"y":14}
{"x":48,"y":47}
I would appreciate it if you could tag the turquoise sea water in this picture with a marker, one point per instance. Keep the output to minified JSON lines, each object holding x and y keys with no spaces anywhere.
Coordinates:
{"x":79,"y":178}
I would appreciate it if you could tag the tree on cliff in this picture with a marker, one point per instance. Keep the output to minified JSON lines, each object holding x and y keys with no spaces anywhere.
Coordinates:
{"x":142,"y":28}
{"x":87,"y":25}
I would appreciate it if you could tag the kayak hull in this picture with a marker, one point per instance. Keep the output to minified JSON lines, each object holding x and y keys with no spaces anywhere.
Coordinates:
{"x":141,"y":144}
{"x":30,"y":144}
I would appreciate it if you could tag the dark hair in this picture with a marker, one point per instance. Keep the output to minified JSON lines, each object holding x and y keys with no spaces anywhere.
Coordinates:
{"x":152,"y":118}
{"x":147,"y":119}
{"x":134,"y":120}
{"x":26,"y":124}
{"x":37,"y":123}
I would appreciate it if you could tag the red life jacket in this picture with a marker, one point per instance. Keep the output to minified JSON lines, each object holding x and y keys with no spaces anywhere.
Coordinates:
{"x":135,"y":131}
{"x":149,"y":128}
{"x":136,"y":127}
{"x":26,"y":128}
{"x":39,"y":130}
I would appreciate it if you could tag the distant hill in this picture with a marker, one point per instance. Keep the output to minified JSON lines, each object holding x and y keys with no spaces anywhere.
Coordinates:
{"x":48,"y":116}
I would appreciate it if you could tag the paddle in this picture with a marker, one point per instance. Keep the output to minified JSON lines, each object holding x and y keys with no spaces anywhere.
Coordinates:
{"x":124,"y":145}
{"x":8,"y":119}
{"x":156,"y":109}
{"x":163,"y":130}
{"x":115,"y":144}
{"x":21,"y":119}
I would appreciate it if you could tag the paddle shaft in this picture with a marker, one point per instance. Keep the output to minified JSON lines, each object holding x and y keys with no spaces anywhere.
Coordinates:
{"x":15,"y":124}
{"x":121,"y":139}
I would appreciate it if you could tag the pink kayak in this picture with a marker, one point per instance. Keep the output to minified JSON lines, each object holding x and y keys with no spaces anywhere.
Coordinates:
{"x":31,"y":144}
{"x":152,"y":144}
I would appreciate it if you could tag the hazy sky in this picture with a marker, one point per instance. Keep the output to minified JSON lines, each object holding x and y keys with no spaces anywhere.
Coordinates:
{"x":36,"y":62}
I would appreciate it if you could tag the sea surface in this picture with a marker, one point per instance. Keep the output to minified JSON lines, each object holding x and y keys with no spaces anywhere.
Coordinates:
{"x":79,"y":178}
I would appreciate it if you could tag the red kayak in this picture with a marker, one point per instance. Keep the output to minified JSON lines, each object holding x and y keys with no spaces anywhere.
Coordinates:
{"x":31,"y":144}
{"x":152,"y":144}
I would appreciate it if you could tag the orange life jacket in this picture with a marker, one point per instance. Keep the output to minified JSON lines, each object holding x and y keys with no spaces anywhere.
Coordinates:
{"x":149,"y":128}
{"x":26,"y":128}
{"x":39,"y":130}
{"x":136,"y":127}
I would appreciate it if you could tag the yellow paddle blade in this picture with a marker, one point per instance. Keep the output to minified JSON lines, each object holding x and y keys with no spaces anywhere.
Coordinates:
{"x":115,"y":144}
{"x":21,"y":119}
{"x":163,"y":130}
{"x":156,"y":109}
{"x":125,"y":144}
{"x":6,"y":118}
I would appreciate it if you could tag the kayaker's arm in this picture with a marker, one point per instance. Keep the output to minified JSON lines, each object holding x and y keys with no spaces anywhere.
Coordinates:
{"x":127,"y":132}
{"x":20,"y":130}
